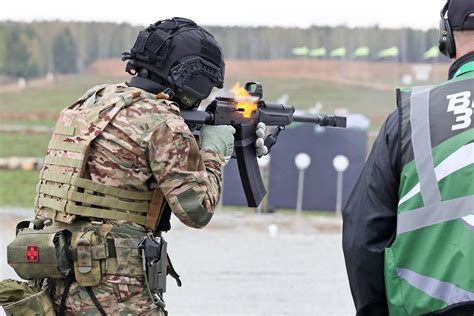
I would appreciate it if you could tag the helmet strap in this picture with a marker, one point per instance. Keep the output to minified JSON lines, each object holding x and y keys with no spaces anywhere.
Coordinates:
{"x":149,"y":85}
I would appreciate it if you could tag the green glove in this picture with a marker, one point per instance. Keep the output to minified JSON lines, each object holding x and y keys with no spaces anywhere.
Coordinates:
{"x":218,"y":138}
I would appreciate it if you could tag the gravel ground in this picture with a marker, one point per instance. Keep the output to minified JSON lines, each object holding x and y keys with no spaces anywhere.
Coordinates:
{"x":236,"y":267}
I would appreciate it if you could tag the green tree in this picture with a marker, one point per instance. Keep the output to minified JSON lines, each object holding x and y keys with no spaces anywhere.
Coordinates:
{"x":64,"y":53}
{"x":17,"y":55}
{"x":2,"y":46}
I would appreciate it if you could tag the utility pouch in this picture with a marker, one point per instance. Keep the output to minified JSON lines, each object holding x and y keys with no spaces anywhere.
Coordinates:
{"x":37,"y":304}
{"x":128,"y":260}
{"x":86,"y":264}
{"x":37,"y":254}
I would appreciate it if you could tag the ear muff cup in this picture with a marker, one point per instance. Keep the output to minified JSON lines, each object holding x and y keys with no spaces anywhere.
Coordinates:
{"x":447,"y":46}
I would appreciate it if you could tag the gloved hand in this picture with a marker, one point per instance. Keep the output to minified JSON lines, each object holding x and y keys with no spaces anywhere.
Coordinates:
{"x":218,"y":138}
{"x":262,"y":150}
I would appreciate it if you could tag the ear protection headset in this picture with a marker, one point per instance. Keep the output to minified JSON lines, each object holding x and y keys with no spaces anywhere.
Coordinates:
{"x":447,"y":46}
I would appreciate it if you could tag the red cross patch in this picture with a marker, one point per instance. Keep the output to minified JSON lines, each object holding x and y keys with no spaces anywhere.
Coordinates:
{"x":32,"y":254}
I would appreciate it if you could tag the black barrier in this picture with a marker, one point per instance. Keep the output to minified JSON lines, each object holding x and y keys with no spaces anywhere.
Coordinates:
{"x":322,"y":145}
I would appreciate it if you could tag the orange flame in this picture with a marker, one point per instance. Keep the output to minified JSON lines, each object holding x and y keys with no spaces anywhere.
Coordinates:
{"x":246,"y":103}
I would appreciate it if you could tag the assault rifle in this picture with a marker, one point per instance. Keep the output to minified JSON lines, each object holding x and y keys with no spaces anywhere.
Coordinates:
{"x":244,"y":113}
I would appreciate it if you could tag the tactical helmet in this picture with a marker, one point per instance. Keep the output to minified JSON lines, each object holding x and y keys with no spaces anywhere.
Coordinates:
{"x":180,"y":55}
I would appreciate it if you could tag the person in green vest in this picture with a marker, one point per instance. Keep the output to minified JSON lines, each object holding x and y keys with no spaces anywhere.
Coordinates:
{"x":408,"y":232}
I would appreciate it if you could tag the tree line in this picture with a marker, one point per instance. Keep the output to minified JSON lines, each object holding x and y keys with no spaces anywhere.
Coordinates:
{"x":34,"y":49}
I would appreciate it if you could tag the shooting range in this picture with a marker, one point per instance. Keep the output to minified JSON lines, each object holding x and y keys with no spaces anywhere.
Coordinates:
{"x":284,"y":257}
{"x":320,"y":179}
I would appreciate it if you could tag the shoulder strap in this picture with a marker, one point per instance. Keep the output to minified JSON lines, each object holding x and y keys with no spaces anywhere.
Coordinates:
{"x":114,"y":103}
{"x":92,"y":91}
{"x":100,"y":116}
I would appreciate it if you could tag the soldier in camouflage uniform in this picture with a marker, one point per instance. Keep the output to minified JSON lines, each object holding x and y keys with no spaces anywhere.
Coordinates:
{"x":148,"y":145}
{"x":135,"y":147}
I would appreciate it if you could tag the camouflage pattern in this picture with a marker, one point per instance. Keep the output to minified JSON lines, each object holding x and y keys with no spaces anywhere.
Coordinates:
{"x":18,"y":298}
{"x":12,"y":291}
{"x":58,"y":194}
{"x":147,"y":145}
{"x":118,"y":295}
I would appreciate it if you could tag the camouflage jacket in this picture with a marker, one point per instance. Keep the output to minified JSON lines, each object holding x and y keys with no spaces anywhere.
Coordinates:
{"x":148,"y":145}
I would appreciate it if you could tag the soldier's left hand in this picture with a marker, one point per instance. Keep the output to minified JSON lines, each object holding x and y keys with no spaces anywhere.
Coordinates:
{"x":262,"y":150}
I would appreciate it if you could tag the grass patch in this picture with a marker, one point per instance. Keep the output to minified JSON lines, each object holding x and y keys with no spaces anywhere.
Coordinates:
{"x":23,"y":145}
{"x":29,"y":123}
{"x":17,"y":187}
{"x":52,"y":97}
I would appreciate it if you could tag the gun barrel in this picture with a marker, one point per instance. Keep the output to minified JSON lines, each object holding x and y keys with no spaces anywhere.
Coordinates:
{"x":322,"y":120}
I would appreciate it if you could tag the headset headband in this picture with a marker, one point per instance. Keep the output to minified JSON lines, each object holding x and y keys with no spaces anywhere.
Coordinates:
{"x":445,"y":10}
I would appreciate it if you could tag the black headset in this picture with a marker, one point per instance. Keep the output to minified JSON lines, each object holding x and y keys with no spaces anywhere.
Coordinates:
{"x":447,"y":46}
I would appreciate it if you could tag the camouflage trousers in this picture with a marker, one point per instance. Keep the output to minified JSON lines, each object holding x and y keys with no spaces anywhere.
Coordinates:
{"x":118,"y":295}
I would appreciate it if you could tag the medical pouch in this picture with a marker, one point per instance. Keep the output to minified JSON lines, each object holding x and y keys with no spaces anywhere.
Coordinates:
{"x":37,"y":254}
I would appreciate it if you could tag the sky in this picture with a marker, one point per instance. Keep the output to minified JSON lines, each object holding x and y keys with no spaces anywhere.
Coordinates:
{"x":420,"y":14}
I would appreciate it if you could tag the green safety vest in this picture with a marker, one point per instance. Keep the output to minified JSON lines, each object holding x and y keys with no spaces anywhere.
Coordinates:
{"x":430,"y":265}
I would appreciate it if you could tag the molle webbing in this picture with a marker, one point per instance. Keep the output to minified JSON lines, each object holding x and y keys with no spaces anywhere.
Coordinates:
{"x":77,"y":148}
{"x":105,"y":202}
{"x":64,"y":161}
{"x":65,"y":130}
{"x":63,"y":193}
{"x":70,"y":178}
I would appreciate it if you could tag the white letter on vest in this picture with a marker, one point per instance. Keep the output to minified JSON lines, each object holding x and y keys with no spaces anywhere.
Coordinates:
{"x":459,"y":104}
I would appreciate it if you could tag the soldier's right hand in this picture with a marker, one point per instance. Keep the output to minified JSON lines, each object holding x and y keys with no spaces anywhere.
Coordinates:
{"x":219,"y":138}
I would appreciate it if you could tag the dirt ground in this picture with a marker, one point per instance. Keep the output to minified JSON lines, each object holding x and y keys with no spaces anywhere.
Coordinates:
{"x":235,"y":267}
